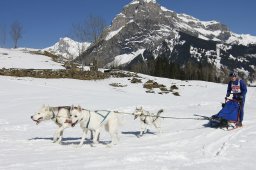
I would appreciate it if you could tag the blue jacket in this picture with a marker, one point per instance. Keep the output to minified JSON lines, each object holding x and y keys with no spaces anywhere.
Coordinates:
{"x":240,"y":92}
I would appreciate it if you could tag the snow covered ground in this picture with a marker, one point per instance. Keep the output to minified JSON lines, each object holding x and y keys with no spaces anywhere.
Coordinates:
{"x":21,"y":58}
{"x":183,"y":144}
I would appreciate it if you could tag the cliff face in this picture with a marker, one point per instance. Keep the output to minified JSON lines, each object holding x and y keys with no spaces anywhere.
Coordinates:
{"x":144,"y":25}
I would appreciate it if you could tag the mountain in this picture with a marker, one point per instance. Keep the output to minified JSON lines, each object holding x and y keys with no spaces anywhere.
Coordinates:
{"x":145,"y":30}
{"x":67,"y":48}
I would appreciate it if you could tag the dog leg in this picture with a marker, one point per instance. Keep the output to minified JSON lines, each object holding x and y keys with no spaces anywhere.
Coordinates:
{"x":142,"y":128}
{"x":157,"y":126}
{"x":91,"y":132}
{"x":83,"y":136}
{"x":146,"y":129}
{"x":61,"y":129}
{"x":95,"y":137}
{"x":60,"y":137}
{"x":57,"y":135}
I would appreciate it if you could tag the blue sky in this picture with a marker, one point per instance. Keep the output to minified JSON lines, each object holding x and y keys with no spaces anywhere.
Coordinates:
{"x":45,"y":21}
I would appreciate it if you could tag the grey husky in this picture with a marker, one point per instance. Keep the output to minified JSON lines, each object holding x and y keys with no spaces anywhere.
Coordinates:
{"x":59,"y":115}
{"x":147,"y":118}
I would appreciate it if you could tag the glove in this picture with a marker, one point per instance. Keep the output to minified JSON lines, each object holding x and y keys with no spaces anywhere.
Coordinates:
{"x":227,"y":95}
{"x":214,"y":117}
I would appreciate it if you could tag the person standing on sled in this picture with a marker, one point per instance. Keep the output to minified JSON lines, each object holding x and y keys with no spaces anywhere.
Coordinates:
{"x":238,"y":88}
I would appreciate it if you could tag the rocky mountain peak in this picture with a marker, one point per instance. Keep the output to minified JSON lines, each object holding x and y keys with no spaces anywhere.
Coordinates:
{"x":145,"y":27}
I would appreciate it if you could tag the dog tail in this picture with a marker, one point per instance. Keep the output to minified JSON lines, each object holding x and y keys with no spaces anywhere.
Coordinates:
{"x":158,"y":114}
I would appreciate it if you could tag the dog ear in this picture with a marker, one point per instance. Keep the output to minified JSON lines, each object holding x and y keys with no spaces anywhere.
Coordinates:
{"x":47,"y":108}
{"x":79,"y":108}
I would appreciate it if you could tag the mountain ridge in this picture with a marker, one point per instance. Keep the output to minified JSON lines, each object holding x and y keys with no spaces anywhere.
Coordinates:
{"x":146,"y":25}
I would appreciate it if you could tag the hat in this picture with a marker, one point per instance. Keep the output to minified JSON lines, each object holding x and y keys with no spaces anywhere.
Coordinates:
{"x":232,"y":74}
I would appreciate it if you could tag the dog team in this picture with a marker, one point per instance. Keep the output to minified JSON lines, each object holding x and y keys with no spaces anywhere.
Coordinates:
{"x":94,"y":121}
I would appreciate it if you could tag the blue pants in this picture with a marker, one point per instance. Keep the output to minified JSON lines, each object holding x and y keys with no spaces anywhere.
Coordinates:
{"x":241,"y":116}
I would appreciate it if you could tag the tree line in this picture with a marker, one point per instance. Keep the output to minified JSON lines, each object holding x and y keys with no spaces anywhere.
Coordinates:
{"x":163,"y":67}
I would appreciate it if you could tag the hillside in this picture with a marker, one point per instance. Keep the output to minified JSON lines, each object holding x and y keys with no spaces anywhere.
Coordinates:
{"x":23,"y":58}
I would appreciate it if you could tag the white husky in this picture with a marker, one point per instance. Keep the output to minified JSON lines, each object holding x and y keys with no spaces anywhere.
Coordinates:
{"x":147,"y":119}
{"x":95,"y":120}
{"x":60,"y":116}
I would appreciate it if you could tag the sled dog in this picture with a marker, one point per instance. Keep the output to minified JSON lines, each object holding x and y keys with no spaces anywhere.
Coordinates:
{"x":147,"y":119}
{"x":59,"y":115}
{"x":95,"y":121}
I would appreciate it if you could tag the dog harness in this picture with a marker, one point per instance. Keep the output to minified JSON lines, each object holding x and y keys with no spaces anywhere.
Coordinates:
{"x":87,"y":125}
{"x":104,"y":117}
{"x":55,"y":117}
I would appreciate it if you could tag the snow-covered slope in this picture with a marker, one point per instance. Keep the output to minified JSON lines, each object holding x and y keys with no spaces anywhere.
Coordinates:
{"x":67,"y":48}
{"x":23,"y":58}
{"x":184,"y":144}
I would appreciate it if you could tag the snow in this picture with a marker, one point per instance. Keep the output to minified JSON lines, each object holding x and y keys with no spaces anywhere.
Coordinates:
{"x":183,"y":144}
{"x":243,"y":39}
{"x":201,"y":27}
{"x":138,"y":1}
{"x":125,"y":58}
{"x":165,"y":9}
{"x":68,"y":48}
{"x":22,"y":58}
{"x":113,"y":33}
{"x":207,"y":32}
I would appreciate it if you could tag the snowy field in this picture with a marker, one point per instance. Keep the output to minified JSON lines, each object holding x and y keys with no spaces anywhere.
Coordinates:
{"x":21,"y":58}
{"x":183,"y":144}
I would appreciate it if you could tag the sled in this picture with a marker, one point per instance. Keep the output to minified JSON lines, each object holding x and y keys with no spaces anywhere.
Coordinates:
{"x":228,"y":116}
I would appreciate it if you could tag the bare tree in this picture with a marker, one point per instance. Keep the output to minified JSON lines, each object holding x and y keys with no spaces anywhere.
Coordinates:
{"x":96,"y":25}
{"x":88,"y":31}
{"x":16,"y":32}
{"x":2,"y":35}
{"x":80,"y":33}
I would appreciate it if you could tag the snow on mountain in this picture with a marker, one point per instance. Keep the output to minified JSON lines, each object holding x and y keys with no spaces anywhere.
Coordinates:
{"x":125,"y":58}
{"x":67,"y":48}
{"x":184,"y":144}
{"x":147,"y":1}
{"x":243,"y":39}
{"x":24,"y":58}
{"x":145,"y":26}
{"x":214,"y":28}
